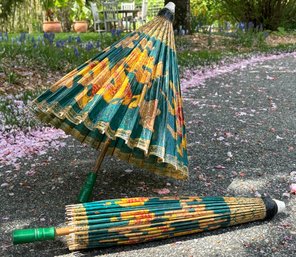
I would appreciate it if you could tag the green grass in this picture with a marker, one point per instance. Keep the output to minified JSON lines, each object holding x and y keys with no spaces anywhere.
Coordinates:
{"x":65,"y":35}
{"x":46,"y":55}
{"x":201,"y":58}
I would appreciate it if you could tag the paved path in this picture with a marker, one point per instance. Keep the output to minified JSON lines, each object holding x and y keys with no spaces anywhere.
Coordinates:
{"x":241,"y":142}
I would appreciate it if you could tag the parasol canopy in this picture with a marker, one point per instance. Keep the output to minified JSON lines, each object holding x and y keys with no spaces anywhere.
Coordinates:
{"x":136,"y":220}
{"x":129,"y":96}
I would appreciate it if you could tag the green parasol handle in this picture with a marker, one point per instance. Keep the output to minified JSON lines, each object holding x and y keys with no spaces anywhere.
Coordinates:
{"x":22,"y":236}
{"x":87,"y":188}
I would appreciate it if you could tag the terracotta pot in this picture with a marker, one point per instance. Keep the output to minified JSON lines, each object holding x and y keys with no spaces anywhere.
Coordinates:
{"x":52,"y":26}
{"x":80,"y":26}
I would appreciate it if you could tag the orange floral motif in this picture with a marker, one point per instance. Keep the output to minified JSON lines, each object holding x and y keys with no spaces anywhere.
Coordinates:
{"x":148,"y":112}
{"x":180,"y":120}
{"x":133,"y":213}
{"x":93,"y":64}
{"x":145,"y":216}
{"x":95,"y":89}
{"x":134,"y":200}
{"x":140,"y":222}
{"x":128,"y":95}
{"x":179,"y":115}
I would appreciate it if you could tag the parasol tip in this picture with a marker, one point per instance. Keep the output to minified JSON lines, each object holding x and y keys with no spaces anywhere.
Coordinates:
{"x":171,"y":7}
{"x":281,"y":205}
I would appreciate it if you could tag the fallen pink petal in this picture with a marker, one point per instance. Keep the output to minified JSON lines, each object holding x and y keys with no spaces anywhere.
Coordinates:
{"x":293,"y":188}
{"x":163,"y":191}
{"x":219,"y":167}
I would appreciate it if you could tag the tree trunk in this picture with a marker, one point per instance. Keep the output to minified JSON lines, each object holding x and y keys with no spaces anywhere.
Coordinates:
{"x":182,"y":16}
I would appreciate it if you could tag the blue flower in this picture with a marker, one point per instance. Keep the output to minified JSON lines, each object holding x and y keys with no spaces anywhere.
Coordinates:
{"x":76,"y":52}
{"x":60,"y":43}
{"x":241,"y":26}
{"x":22,"y":37}
{"x":98,"y":45}
{"x":78,"y":40}
{"x":49,"y":37}
{"x":89,"y":46}
{"x":69,"y":39}
{"x":113,"y":31}
{"x":118,"y":32}
{"x":250,"y":25}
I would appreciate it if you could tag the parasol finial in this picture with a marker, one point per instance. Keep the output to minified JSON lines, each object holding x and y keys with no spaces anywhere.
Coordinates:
{"x":171,"y":7}
{"x":280,"y":205}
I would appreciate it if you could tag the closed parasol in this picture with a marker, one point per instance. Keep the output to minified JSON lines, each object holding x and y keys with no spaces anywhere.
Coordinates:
{"x":136,"y":220}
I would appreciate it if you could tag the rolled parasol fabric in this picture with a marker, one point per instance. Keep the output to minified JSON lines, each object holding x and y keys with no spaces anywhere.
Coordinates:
{"x":135,"y":220}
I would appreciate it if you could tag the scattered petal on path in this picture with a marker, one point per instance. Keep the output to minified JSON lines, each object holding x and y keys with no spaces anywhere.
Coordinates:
{"x":162,"y":191}
{"x":19,"y":144}
{"x":293,"y":188}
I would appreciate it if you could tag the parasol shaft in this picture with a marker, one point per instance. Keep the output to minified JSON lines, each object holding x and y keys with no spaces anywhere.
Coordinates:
{"x":22,"y":236}
{"x":87,"y":188}
{"x":63,"y":231}
{"x":102,"y":155}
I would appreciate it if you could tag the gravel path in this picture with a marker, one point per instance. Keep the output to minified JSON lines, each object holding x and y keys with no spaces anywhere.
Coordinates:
{"x":241,"y":142}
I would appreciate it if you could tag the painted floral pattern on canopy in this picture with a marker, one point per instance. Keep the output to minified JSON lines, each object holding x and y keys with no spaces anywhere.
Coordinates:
{"x":130,"y":93}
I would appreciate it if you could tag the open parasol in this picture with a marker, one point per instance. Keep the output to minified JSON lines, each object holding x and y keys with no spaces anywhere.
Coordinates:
{"x":126,"y":101}
{"x":136,"y":220}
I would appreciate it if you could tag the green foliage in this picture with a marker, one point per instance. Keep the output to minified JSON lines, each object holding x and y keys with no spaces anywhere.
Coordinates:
{"x":52,"y":6}
{"x":205,"y":11}
{"x":250,"y":38}
{"x":48,"y":6}
{"x":270,"y":13}
{"x":6,"y":8}
{"x":79,"y":11}
{"x":281,"y":31}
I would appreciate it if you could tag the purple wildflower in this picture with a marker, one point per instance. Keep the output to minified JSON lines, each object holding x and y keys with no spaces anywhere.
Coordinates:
{"x":89,"y":46}
{"x":113,"y":31}
{"x":49,"y":37}
{"x":78,"y":40}
{"x":60,"y":43}
{"x":22,"y":37}
{"x":118,"y":32}
{"x":76,"y":52}
{"x":98,"y":44}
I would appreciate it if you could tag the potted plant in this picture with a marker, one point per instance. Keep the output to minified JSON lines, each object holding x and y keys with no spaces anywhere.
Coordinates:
{"x":80,"y":15}
{"x":50,"y":24}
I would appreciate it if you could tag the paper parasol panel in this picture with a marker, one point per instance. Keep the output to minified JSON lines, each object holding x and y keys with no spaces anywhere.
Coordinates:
{"x":130,"y":93}
{"x":136,"y":220}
